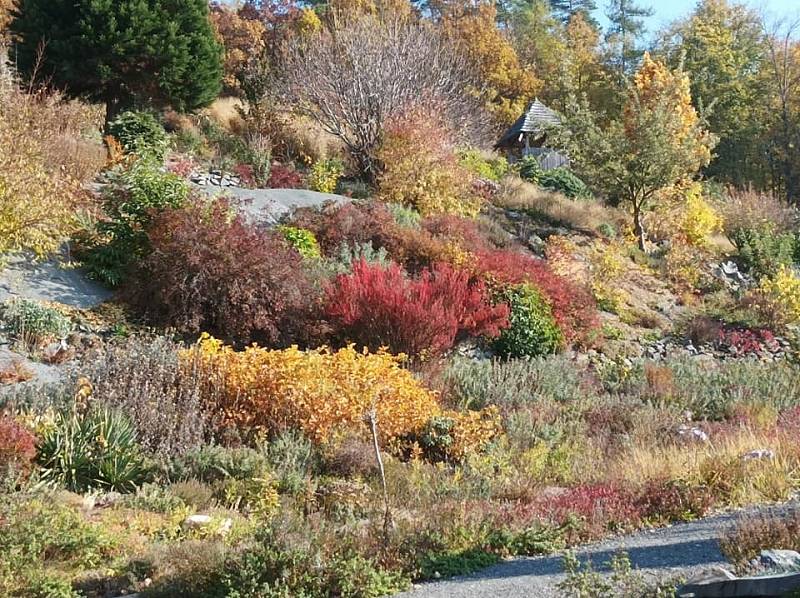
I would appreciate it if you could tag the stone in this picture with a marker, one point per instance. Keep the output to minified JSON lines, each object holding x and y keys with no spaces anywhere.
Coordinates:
{"x":780,"y":560}
{"x":758,"y":454}
{"x":743,"y":587}
{"x":715,"y":573}
{"x":109,"y":499}
{"x":197,"y":521}
{"x":692,"y":433}
{"x":536,"y":244}
{"x":204,"y":521}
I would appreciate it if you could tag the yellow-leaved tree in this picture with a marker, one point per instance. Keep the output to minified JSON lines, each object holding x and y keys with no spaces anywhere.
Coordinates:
{"x":660,"y":140}
{"x":510,"y":85}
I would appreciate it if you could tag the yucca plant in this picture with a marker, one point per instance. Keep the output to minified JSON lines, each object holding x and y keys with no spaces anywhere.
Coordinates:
{"x":92,"y":450}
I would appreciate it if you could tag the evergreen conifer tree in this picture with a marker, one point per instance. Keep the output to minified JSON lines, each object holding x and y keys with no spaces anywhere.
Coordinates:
{"x":123,"y":53}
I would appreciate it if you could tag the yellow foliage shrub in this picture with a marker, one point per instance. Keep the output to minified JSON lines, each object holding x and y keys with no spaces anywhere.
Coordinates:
{"x":682,"y":265}
{"x":420,"y":168}
{"x":607,"y":263}
{"x":37,"y":209}
{"x":780,"y":296}
{"x":700,"y":220}
{"x":321,"y":392}
{"x":325,"y":175}
{"x":455,"y":254}
{"x":682,"y":212}
{"x":43,"y":160}
{"x":473,"y":431}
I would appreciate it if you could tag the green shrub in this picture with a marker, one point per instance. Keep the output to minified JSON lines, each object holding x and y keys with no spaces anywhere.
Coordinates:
{"x":239,"y":478}
{"x":141,"y":134}
{"x":301,"y":239}
{"x":514,"y":383}
{"x":33,"y":322}
{"x":530,"y":170}
{"x":404,"y":216}
{"x":293,"y":459}
{"x":325,"y":175}
{"x":607,"y":230}
{"x":135,"y":196}
{"x":153,"y":498}
{"x":436,"y":438}
{"x":272,"y":571}
{"x":763,"y":252}
{"x":532,"y":330}
{"x":347,"y":255}
{"x":436,"y":565}
{"x":214,"y":463}
{"x":563,"y":181}
{"x":95,"y":449}
{"x":711,"y":392}
{"x":37,"y":532}
{"x":583,"y":581}
{"x":493,"y":168}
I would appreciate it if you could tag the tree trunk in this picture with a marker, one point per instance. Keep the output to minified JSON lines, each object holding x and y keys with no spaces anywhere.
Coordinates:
{"x":113,"y":109}
{"x":638,"y":227}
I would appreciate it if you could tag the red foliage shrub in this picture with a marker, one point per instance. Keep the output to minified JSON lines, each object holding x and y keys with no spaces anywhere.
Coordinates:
{"x":182,"y":167}
{"x":598,"y":508}
{"x":371,"y":222}
{"x":377,"y":307}
{"x":361,"y":222}
{"x":17,"y":446}
{"x":210,"y":270}
{"x":667,"y":501}
{"x":464,"y":231}
{"x":746,"y":342}
{"x":246,"y":174}
{"x":284,"y":177}
{"x":574,"y":308}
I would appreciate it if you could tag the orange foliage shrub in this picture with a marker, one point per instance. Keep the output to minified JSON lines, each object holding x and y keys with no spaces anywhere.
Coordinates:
{"x":320,"y":392}
{"x":420,"y":168}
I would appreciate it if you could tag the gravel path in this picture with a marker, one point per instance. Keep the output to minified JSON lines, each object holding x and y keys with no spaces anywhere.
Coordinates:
{"x":679,"y":550}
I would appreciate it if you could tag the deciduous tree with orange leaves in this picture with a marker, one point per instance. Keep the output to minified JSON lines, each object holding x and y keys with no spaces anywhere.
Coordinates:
{"x":510,"y":85}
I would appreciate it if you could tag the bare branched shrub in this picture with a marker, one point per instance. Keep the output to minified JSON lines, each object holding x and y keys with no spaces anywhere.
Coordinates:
{"x":352,"y":79}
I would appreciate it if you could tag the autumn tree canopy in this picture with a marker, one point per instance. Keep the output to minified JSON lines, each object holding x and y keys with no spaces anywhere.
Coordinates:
{"x":659,"y":141}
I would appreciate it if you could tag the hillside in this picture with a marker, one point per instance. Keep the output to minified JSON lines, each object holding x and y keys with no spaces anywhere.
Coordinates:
{"x":338,"y":299}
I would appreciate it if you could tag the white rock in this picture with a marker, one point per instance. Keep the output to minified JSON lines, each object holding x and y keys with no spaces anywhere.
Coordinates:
{"x":758,"y":454}
{"x":715,"y":573}
{"x":197,"y":521}
{"x":692,"y":433}
{"x":203,"y":521}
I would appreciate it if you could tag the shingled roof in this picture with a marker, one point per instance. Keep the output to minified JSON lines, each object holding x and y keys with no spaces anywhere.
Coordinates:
{"x":536,"y":119}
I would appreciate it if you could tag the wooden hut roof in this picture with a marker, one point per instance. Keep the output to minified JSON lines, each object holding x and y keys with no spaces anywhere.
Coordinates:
{"x":536,"y":119}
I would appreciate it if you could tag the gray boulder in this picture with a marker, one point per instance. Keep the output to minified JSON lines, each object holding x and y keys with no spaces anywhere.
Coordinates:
{"x":780,"y":560}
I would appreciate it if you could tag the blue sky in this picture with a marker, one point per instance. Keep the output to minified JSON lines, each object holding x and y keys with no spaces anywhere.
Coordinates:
{"x":669,"y":10}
